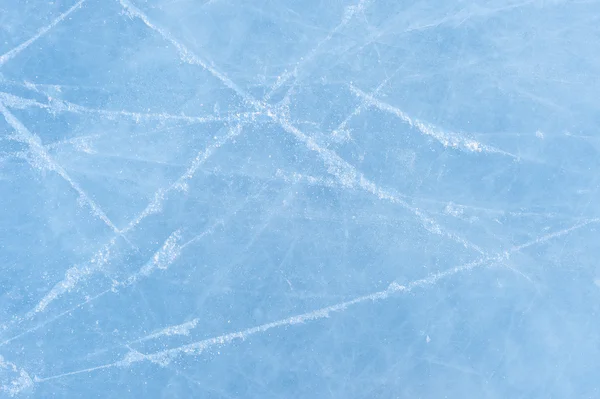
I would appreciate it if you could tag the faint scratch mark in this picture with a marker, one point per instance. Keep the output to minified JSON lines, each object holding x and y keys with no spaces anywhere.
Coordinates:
{"x":350,"y":177}
{"x":15,"y":51}
{"x":160,"y":196}
{"x":342,"y":128}
{"x":42,"y":160}
{"x":349,"y":13}
{"x":179,"y":329}
{"x":161,"y":259}
{"x":347,"y":174}
{"x":164,"y":357}
{"x":76,"y":274}
{"x":464,"y":15}
{"x":447,"y":139}
{"x":186,"y":55}
{"x":58,"y":106}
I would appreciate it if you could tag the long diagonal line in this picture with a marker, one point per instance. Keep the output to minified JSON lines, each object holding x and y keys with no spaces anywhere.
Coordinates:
{"x":201,"y":346}
{"x":349,"y":14}
{"x":59,"y":106}
{"x":342,"y":127}
{"x":15,"y":51}
{"x":187,"y":56}
{"x":156,"y":204}
{"x":447,"y":139}
{"x":18,"y":384}
{"x":164,"y":357}
{"x":347,"y":174}
{"x":78,"y":274}
{"x":44,"y":160}
{"x":160,"y":260}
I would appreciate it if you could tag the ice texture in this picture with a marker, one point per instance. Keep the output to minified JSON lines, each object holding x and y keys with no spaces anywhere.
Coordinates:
{"x":299,"y":199}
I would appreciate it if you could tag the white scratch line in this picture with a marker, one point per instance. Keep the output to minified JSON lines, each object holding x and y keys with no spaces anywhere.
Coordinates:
{"x":346,"y":173}
{"x":349,"y":13}
{"x":179,"y":329}
{"x":164,"y":357}
{"x":350,"y":177}
{"x":79,"y":143}
{"x":464,"y":15}
{"x":186,"y":55}
{"x":58,"y":106}
{"x":200,"y":236}
{"x":73,"y":276}
{"x":57,"y":317}
{"x":342,"y":127}
{"x":450,"y":208}
{"x":447,"y":139}
{"x":42,"y":160}
{"x":16,"y":102}
{"x":182,"y":183}
{"x":90,"y":370}
{"x":15,"y":51}
{"x":295,"y":177}
{"x":77,"y":274}
{"x":161,"y":259}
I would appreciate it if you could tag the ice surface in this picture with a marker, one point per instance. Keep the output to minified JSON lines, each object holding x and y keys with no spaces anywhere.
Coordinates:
{"x":299,"y":199}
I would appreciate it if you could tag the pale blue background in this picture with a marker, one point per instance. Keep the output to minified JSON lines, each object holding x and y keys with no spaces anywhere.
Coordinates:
{"x":335,"y":148}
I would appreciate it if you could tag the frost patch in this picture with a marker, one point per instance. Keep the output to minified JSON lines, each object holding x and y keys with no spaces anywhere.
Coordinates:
{"x":14,"y":380}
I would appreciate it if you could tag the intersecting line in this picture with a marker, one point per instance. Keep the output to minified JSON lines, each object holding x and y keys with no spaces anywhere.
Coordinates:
{"x":347,"y":174}
{"x":15,"y":51}
{"x":44,"y":160}
{"x":56,"y":106}
{"x":338,"y":168}
{"x":164,"y":357}
{"x":447,"y":139}
{"x":281,"y":80}
{"x":77,"y":274}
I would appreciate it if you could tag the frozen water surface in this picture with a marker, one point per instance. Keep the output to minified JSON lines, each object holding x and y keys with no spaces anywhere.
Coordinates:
{"x":299,"y":199}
